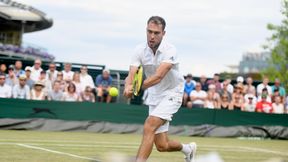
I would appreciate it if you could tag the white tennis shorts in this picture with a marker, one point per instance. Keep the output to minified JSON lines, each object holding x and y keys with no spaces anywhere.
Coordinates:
{"x":166,"y":106}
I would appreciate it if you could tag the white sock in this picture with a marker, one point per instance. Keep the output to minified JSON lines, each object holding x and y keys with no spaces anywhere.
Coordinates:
{"x":186,"y":149}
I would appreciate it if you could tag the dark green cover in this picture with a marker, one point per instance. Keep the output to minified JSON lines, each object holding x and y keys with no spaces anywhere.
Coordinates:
{"x":131,"y":114}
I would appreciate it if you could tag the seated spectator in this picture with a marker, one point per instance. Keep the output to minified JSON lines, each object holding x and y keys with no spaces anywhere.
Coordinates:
{"x":224,"y":102}
{"x":216,"y":82}
{"x":3,"y":69}
{"x":237,"y":98}
{"x":240,"y":80}
{"x":246,"y":98}
{"x":21,"y":90}
{"x":29,"y":81}
{"x":264,"y":105}
{"x":11,"y":78}
{"x":197,"y":97}
{"x":209,"y":102}
{"x":36,"y":70}
{"x":277,"y":85}
{"x":203,"y":82}
{"x":216,"y":96}
{"x":37,"y":93}
{"x":56,"y":94}
{"x":224,"y":89}
{"x":103,"y":84}
{"x":88,"y":95}
{"x":248,"y":87}
{"x":63,"y":84}
{"x":70,"y":94}
{"x":265,"y":91}
{"x":18,"y":68}
{"x":85,"y":78}
{"x":47,"y":83}
{"x":76,"y":81}
{"x":51,"y":72}
{"x":276,"y":93}
{"x":189,"y":86}
{"x":67,"y":72}
{"x":5,"y":90}
{"x":250,"y":103}
{"x":263,"y":85}
{"x":278,"y":106}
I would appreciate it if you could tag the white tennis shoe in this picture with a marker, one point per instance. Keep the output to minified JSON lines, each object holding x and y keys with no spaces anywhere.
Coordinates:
{"x":191,"y":156}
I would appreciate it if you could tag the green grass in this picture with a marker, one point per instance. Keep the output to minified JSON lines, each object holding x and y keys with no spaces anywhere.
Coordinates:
{"x":92,"y":145}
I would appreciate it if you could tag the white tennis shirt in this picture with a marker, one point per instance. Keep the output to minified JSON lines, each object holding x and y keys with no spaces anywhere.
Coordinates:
{"x":166,"y":53}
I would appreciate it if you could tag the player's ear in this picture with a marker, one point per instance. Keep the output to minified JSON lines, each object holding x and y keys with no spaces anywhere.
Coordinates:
{"x":164,"y":32}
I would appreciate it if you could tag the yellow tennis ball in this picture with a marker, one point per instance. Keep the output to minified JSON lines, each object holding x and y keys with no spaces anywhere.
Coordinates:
{"x":113,"y":92}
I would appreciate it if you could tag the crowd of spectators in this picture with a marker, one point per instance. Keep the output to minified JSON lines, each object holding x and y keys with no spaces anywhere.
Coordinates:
{"x":242,"y":95}
{"x":35,"y":83}
{"x":36,"y":52}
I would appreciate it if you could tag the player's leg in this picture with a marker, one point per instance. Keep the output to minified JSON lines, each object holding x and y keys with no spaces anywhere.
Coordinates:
{"x":152,"y":123}
{"x":163,"y":144}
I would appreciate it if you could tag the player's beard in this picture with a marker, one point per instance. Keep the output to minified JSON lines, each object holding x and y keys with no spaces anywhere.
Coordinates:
{"x":154,"y":46}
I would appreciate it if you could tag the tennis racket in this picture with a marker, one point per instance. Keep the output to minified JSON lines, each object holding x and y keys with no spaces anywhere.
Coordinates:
{"x":138,"y":81}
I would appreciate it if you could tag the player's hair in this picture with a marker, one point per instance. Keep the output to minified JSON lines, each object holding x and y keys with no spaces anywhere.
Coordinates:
{"x":157,"y":20}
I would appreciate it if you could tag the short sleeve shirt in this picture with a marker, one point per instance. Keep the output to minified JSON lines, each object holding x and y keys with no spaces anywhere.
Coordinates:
{"x":166,"y":53}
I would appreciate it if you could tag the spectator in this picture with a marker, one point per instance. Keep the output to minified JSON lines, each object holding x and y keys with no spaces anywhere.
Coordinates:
{"x":249,"y":88}
{"x":18,"y":68}
{"x":209,"y":102}
{"x":37,"y":92}
{"x":70,"y":94}
{"x":249,"y":95}
{"x":277,"y":85}
{"x":103,"y":84}
{"x":224,"y":89}
{"x":29,"y":81}
{"x":36,"y":70}
{"x":240,"y":80}
{"x":224,"y":102}
{"x":76,"y":81}
{"x":250,"y":103}
{"x":51,"y":72}
{"x":230,"y":87}
{"x":85,"y":78}
{"x":263,"y":85}
{"x":278,"y":106}
{"x":56,"y":94}
{"x":3,"y":69}
{"x":47,"y":83}
{"x":189,"y":86}
{"x":5,"y":90}
{"x":21,"y":90}
{"x":197,"y":97}
{"x":216,"y":96}
{"x":88,"y":95}
{"x":216,"y":82}
{"x":237,"y":98}
{"x":11,"y":78}
{"x":268,"y":98}
{"x":63,"y":84}
{"x":67,"y":73}
{"x":264,"y":105}
{"x":203,"y":82}
{"x":276,"y":93}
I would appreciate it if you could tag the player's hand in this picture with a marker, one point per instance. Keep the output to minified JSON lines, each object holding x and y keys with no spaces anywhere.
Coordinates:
{"x":128,"y":91}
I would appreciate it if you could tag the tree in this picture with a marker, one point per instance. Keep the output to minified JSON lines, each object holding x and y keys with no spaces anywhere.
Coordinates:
{"x":278,"y":45}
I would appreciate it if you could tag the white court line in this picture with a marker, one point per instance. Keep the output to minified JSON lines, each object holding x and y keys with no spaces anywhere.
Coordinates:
{"x":126,"y":145}
{"x":57,"y":152}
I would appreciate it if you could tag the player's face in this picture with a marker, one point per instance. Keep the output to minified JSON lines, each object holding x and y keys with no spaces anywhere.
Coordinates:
{"x":155,"y":35}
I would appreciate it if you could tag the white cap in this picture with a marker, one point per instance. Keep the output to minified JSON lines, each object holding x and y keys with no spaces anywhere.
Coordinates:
{"x":240,"y":79}
{"x":106,"y":70}
{"x":28,"y":68}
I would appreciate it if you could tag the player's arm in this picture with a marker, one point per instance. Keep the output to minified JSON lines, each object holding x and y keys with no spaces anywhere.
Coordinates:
{"x":162,"y":70}
{"x":128,"y":91}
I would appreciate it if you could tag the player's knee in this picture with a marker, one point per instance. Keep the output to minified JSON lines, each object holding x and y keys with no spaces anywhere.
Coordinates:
{"x":148,"y":128}
{"x":162,"y":147}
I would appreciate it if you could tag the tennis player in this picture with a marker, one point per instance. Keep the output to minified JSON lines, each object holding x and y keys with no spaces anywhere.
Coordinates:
{"x":165,"y":87}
